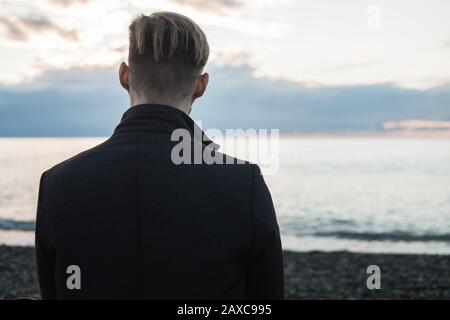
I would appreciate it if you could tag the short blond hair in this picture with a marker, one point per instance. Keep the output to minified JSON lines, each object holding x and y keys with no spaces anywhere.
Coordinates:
{"x":166,"y":51}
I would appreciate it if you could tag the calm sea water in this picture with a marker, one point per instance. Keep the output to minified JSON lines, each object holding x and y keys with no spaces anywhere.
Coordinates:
{"x":357,"y":194}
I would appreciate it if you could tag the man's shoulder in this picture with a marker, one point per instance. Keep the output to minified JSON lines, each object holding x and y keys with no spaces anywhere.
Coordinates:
{"x":220,"y":166}
{"x":227,"y":164}
{"x":68,"y":164}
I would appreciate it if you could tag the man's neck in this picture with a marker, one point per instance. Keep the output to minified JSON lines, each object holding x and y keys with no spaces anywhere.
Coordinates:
{"x":180,"y":105}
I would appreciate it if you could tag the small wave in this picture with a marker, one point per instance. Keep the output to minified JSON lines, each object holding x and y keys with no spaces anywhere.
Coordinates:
{"x":17,"y":225}
{"x":385,"y":236}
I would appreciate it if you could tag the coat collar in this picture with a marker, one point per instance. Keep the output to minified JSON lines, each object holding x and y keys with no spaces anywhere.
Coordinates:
{"x":159,"y":118}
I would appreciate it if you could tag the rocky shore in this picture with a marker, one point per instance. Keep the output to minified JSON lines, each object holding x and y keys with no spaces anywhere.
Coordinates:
{"x":311,"y":275}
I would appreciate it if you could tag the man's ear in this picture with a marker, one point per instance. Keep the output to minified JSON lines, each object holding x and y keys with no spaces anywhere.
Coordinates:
{"x":123,"y":76}
{"x":201,"y":86}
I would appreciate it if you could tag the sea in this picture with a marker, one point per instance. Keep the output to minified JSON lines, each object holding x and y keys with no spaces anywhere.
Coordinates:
{"x":359,"y":194}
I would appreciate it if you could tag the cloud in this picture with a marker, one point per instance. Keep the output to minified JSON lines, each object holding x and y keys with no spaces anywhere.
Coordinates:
{"x":268,"y":103}
{"x":66,"y":3}
{"x":63,"y":103}
{"x":19,"y":28}
{"x":417,"y":125}
{"x":282,"y":38}
{"x":233,"y":58}
{"x":43,"y":24}
{"x":355,"y":64}
{"x":13,"y":30}
{"x":81,"y":102}
{"x":212,"y":5}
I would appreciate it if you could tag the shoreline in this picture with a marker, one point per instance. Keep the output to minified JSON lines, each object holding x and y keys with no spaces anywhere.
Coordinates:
{"x":308,"y":275}
{"x":299,"y":134}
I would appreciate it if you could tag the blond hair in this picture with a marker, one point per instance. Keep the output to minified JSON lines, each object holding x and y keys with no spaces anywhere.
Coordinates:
{"x":166,"y":51}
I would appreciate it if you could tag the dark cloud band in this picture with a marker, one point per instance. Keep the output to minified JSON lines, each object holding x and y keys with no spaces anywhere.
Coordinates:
{"x":19,"y":28}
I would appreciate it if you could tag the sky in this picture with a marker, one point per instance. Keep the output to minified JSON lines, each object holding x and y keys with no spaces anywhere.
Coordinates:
{"x":306,"y":66}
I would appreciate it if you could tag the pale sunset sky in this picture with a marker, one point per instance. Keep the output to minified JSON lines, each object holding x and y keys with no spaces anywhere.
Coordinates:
{"x":330,"y":56}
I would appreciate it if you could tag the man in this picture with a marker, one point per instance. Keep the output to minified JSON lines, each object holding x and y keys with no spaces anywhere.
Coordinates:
{"x":125,"y":221}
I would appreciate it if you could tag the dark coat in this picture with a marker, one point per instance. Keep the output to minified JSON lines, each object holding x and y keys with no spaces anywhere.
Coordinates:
{"x":139,"y":226}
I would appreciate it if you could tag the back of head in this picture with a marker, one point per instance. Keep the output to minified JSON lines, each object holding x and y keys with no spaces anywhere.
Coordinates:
{"x":167,"y":53}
